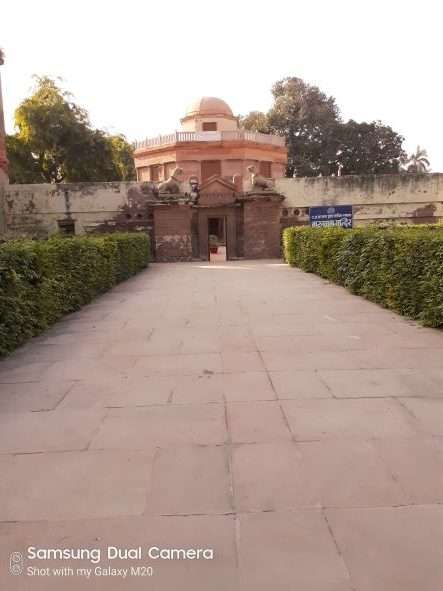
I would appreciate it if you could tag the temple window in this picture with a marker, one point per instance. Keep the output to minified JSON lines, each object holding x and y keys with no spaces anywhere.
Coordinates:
{"x":209,"y":126}
{"x":265,"y":169}
{"x":210,"y":168}
{"x":155,"y":172}
{"x":143,"y":173}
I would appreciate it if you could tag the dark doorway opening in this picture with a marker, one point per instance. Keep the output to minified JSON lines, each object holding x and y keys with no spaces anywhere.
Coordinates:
{"x":217,"y":244}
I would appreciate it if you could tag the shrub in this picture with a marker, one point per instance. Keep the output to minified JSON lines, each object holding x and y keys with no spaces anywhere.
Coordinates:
{"x":40,"y":281}
{"x":400,"y":268}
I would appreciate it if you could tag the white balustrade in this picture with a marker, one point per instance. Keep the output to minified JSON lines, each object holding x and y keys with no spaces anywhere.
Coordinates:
{"x":210,"y":136}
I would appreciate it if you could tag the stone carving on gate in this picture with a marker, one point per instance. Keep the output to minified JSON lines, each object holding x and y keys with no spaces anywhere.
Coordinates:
{"x":172,"y":184}
{"x":217,"y":192}
{"x":258,"y":181}
{"x":194,"y":185}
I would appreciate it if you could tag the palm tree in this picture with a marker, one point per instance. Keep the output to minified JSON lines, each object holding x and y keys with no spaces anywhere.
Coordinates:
{"x":418,"y":162}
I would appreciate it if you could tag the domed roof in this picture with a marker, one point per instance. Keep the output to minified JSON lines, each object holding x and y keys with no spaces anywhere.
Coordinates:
{"x":209,"y":106}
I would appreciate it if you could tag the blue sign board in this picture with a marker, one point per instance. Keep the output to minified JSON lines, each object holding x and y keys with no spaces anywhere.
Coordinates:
{"x":331,"y":216}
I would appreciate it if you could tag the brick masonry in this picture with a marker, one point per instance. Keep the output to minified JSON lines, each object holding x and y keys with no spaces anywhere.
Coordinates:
{"x":173,"y":239}
{"x":262,"y":226}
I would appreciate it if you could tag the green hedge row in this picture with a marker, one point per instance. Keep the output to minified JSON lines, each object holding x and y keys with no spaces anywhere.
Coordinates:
{"x":40,"y":281}
{"x":400,"y":268}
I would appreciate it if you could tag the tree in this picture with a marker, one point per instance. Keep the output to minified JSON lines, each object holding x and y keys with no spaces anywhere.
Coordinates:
{"x":58,"y":135}
{"x":318,"y":141}
{"x":122,"y":157}
{"x":255,"y":121}
{"x":305,"y":116}
{"x":54,"y":128}
{"x":23,"y":167}
{"x":418,"y":162}
{"x":367,"y":148}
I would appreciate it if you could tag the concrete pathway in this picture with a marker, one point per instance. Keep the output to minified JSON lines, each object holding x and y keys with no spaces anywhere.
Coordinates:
{"x":246,"y":407}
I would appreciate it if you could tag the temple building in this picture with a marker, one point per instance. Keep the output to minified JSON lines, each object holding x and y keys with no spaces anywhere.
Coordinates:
{"x":211,"y":143}
{"x":213,"y":195}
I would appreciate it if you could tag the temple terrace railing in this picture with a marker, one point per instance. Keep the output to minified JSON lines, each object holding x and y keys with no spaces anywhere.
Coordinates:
{"x":209,"y":136}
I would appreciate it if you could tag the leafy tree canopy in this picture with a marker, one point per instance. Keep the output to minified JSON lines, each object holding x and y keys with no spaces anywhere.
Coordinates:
{"x":122,"y":157}
{"x":55,"y":136}
{"x":367,"y":148}
{"x":23,"y":167}
{"x":318,"y":140}
{"x":255,"y":121}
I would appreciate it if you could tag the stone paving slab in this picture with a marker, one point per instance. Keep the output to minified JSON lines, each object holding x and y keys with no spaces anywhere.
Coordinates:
{"x":33,"y":396}
{"x":417,"y":465}
{"x":290,"y":551}
{"x":252,"y":422}
{"x":278,"y":476}
{"x":204,"y":389}
{"x":349,"y":418}
{"x":379,"y":382}
{"x":73,"y":485}
{"x":190,"y":480}
{"x":248,"y":407}
{"x":163,"y":426}
{"x":170,"y":365}
{"x":428,"y":412}
{"x":121,"y":391}
{"x":395,"y":548}
{"x":247,"y":386}
{"x":48,"y":431}
{"x":296,"y":383}
{"x":17,"y":370}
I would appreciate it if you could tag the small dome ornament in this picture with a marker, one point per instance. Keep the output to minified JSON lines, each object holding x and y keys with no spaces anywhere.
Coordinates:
{"x":209,"y":106}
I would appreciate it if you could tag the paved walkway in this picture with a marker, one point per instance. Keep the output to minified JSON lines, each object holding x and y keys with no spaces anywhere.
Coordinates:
{"x":245,"y":407}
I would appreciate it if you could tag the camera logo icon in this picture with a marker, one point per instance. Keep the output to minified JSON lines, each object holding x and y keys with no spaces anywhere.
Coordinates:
{"x":16,"y":564}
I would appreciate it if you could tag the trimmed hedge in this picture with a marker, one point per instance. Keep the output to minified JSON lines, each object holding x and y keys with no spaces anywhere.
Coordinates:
{"x":400,"y":268}
{"x":40,"y":281}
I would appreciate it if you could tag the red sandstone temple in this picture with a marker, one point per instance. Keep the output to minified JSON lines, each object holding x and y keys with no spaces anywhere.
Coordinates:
{"x":222,"y":205}
{"x":210,"y":143}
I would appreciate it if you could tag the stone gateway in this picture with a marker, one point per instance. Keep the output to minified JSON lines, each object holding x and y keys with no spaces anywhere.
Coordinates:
{"x":226,"y":207}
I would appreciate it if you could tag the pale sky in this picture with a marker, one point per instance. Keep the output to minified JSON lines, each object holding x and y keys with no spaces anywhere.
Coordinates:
{"x":135,"y":65}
